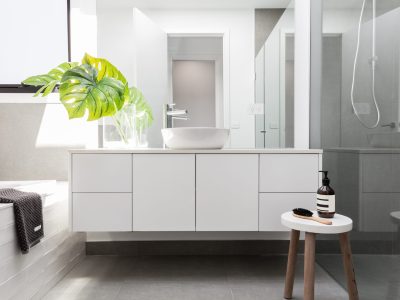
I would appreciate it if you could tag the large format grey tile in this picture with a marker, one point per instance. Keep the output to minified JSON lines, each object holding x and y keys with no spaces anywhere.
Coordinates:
{"x":187,"y":278}
{"x":178,"y":290}
{"x":377,"y":276}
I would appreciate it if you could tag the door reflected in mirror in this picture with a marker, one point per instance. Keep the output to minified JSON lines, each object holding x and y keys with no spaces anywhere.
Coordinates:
{"x":197,"y":79}
{"x":274,"y":87}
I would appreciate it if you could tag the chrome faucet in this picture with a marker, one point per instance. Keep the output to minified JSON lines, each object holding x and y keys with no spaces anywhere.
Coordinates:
{"x":170,"y":114}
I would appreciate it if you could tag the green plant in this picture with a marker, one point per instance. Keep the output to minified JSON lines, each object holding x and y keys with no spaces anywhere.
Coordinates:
{"x":94,"y":87}
{"x":143,"y":109}
{"x":49,"y":81}
{"x":83,"y":90}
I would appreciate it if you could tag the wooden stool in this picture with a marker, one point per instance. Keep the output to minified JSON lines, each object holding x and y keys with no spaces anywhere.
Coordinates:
{"x":341,"y":225}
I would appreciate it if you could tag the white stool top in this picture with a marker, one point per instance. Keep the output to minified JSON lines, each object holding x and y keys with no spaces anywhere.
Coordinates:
{"x":340,"y":224}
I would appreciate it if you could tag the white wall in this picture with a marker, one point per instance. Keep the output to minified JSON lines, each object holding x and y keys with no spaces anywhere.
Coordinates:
{"x":196,"y":46}
{"x":302,"y":64}
{"x":115,"y":39}
{"x":339,"y":20}
{"x":150,"y":55}
{"x":83,"y":29}
{"x":36,"y":135}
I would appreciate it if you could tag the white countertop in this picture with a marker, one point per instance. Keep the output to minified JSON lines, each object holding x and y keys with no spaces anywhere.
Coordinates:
{"x":194,"y":151}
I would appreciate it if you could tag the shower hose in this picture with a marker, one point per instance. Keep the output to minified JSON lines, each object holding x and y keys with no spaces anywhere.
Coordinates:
{"x":373,"y":63}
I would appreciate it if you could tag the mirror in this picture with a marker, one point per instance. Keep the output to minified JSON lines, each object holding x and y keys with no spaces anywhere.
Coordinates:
{"x":274,"y":68}
{"x":229,"y":63}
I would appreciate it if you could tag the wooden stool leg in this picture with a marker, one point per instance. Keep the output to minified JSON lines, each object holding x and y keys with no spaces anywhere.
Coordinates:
{"x":309,"y":266}
{"x":291,"y":264}
{"x":348,"y":266}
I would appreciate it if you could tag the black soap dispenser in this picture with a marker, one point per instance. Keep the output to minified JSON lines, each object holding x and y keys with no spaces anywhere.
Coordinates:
{"x":326,"y":198}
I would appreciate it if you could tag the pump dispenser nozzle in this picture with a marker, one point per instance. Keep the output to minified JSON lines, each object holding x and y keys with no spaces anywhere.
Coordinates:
{"x":325,"y":180}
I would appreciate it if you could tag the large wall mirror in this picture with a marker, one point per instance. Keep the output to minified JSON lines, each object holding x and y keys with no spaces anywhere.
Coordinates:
{"x":229,"y":63}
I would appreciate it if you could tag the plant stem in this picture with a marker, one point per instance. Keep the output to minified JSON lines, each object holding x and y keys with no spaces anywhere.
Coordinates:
{"x":120,"y":129}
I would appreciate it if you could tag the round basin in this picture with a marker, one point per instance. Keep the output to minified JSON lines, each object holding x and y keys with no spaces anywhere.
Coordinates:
{"x":195,"y":137}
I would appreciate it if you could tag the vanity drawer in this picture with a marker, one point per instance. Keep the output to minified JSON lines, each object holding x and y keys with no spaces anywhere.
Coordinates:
{"x":293,"y":173}
{"x":102,"y":212}
{"x":272,"y":205}
{"x":100,"y":173}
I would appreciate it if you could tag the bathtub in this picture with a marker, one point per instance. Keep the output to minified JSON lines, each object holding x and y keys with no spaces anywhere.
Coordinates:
{"x":45,"y":188}
{"x":30,"y":276}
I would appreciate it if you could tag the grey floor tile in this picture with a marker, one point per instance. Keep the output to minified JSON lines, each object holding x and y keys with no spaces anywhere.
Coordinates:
{"x":174,"y":290}
{"x":378,"y":276}
{"x":186,"y":278}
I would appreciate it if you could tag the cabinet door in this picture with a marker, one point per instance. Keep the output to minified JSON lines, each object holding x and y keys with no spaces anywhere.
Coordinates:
{"x":288,"y":173}
{"x":163,"y":192}
{"x":102,"y":211}
{"x":227,"y":192}
{"x":102,"y":173}
{"x":272,"y":205}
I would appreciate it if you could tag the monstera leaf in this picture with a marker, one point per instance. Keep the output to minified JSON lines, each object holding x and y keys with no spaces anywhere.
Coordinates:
{"x":50,"y":80}
{"x":81,"y":90}
{"x":104,"y":68}
{"x":143,"y":109}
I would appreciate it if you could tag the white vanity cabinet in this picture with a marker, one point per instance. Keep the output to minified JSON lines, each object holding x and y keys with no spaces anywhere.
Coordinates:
{"x":101,"y":192}
{"x":288,"y":173}
{"x":287,"y":181}
{"x":102,"y":211}
{"x":227,"y":192}
{"x":164,"y":192}
{"x":190,"y":190}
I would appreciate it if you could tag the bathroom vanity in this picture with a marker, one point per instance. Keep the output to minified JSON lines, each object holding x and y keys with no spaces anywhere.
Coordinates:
{"x":189,"y":190}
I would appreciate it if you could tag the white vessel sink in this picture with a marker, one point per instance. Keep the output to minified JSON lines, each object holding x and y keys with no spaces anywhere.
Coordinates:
{"x":384,"y":140}
{"x":195,"y":137}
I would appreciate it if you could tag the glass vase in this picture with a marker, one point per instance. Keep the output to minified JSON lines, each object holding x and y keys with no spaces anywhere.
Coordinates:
{"x":119,"y":131}
{"x":141,"y":130}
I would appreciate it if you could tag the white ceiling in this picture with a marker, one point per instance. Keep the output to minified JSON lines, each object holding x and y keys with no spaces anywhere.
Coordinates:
{"x":194,"y":4}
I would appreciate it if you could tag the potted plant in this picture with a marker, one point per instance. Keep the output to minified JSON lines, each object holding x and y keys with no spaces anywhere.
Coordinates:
{"x":96,"y":88}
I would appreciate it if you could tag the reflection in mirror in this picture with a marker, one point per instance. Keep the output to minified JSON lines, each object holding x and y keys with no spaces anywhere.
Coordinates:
{"x":274,"y":86}
{"x":196,"y":64}
{"x":202,"y":56}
